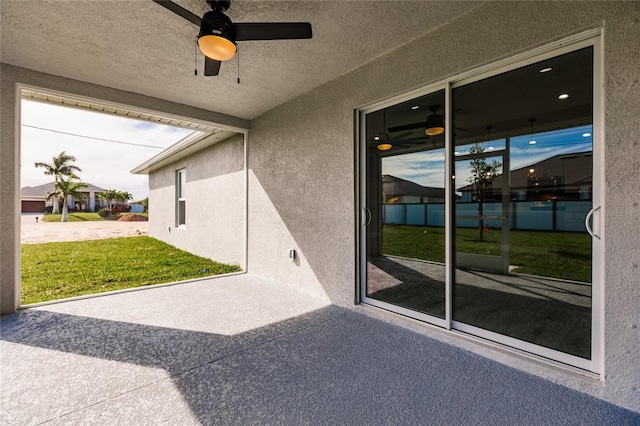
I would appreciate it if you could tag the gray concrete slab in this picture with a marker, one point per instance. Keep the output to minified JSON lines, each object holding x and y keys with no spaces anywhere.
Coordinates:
{"x":242,"y":350}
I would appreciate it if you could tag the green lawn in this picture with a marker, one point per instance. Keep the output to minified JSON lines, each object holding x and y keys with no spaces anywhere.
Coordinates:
{"x":564,"y":255}
{"x":73,"y":217}
{"x":53,"y":271}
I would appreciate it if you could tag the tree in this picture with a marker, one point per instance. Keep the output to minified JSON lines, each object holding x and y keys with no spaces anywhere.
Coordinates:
{"x":67,"y":188}
{"x":482,"y":174}
{"x":113,"y":197}
{"x":62,"y":166}
{"x":110,"y":196}
{"x":125,"y":196}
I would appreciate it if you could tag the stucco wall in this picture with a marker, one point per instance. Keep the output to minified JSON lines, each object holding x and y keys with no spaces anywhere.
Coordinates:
{"x":10,"y":152}
{"x":215,"y":223}
{"x":301,"y":165}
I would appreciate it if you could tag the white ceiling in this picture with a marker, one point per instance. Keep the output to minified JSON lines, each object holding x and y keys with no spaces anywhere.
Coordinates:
{"x":138,"y":46}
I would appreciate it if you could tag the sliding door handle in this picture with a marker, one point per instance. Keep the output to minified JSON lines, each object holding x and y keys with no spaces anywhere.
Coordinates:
{"x":366,"y":217}
{"x":586,"y":222}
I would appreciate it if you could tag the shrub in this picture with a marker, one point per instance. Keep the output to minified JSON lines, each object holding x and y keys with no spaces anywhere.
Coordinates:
{"x":104,"y":213}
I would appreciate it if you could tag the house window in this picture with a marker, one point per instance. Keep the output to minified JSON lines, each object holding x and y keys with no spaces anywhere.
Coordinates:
{"x":181,"y":184}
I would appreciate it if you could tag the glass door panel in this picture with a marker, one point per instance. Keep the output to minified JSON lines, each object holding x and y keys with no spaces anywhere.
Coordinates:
{"x":510,"y":218}
{"x":405,"y":206}
{"x":523,"y":254}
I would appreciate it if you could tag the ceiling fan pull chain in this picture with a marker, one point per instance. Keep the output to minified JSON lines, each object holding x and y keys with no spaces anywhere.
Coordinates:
{"x":195,"y":56}
{"x":238,"y":50}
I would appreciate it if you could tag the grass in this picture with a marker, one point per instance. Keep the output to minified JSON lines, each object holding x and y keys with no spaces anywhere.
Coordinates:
{"x":52,"y":271}
{"x":73,"y":217}
{"x":563,"y":255}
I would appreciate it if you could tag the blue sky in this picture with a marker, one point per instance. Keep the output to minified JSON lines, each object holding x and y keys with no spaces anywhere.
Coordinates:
{"x":106,"y":164}
{"x":427,"y":168}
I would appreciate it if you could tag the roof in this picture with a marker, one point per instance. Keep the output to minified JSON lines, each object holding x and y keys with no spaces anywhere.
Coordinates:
{"x":573,"y":168}
{"x":42,"y":190}
{"x":394,"y":186}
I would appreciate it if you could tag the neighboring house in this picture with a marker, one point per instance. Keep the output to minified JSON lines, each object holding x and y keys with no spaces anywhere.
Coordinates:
{"x":399,"y":191}
{"x":34,"y":198}
{"x":561,"y":177}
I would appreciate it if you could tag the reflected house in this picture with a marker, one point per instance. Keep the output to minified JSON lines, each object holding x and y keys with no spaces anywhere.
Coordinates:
{"x":400,"y":191}
{"x":34,"y":198}
{"x":561,"y":177}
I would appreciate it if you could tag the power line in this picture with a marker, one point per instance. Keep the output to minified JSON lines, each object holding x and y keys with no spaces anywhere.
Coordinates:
{"x":91,"y":137}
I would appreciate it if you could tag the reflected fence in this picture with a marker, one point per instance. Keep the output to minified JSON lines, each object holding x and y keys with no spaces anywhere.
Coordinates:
{"x":553,"y":215}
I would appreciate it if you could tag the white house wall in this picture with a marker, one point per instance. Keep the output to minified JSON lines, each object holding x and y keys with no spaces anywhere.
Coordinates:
{"x":301,"y":159}
{"x":215,"y":223}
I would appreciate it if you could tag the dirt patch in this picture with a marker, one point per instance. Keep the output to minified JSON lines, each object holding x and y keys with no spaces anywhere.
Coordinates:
{"x":44,"y":232}
{"x":133,"y":218}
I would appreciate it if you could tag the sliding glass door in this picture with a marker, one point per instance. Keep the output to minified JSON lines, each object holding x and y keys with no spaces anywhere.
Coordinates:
{"x":405,"y":204}
{"x":477,"y":206}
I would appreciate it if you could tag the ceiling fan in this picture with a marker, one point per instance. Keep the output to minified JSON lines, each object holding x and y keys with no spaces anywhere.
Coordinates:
{"x":384,"y":142}
{"x":218,"y":35}
{"x":433,"y":125}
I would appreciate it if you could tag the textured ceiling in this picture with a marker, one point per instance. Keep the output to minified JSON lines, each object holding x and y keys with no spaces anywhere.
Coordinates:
{"x":138,"y":46}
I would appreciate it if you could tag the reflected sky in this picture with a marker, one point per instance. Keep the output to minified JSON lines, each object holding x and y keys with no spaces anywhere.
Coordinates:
{"x":426,"y":168}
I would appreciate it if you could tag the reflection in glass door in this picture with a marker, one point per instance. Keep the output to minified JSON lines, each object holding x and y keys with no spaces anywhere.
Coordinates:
{"x":523,"y":185}
{"x":500,"y":245}
{"x":405,"y":201}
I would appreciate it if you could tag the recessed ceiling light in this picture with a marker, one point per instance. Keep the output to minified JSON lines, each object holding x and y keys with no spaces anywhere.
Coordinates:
{"x":415,"y":107}
{"x":564,"y":96}
{"x":532,"y":142}
{"x":490,"y":148}
{"x":377,"y":138}
{"x":586,"y":135}
{"x":546,"y":69}
{"x":456,"y":153}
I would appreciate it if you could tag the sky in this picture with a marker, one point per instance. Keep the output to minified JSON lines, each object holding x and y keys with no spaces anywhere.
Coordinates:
{"x":427,"y":168}
{"x":106,"y":164}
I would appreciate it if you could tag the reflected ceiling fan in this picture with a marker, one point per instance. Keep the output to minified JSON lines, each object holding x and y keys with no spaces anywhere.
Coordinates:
{"x":433,"y":125}
{"x":384,"y":142}
{"x":218,"y":35}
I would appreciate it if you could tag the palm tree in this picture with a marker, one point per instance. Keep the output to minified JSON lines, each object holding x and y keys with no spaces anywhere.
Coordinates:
{"x":110,"y":196}
{"x":61,"y":166}
{"x":64,"y":189}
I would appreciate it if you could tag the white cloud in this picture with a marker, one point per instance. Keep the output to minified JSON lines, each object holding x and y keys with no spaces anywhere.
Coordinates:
{"x":105,"y":164}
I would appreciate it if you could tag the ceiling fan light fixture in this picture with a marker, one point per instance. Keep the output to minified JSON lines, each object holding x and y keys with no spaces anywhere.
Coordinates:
{"x":385,"y":146}
{"x":435,"y":124}
{"x":216,"y":38}
{"x":216,"y":47}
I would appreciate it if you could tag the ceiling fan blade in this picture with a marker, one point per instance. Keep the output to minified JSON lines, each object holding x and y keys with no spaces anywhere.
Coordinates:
{"x":272,"y":30}
{"x":407,"y":127}
{"x":180,"y":11}
{"x":211,"y":66}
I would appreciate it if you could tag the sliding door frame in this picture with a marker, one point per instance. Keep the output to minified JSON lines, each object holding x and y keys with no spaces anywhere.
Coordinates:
{"x":596,"y":363}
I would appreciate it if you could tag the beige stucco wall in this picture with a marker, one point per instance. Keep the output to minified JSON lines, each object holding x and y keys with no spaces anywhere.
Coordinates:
{"x":215,"y":200}
{"x":301,"y":165}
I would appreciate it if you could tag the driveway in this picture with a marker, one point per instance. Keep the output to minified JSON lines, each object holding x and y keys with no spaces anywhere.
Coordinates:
{"x":32,"y":232}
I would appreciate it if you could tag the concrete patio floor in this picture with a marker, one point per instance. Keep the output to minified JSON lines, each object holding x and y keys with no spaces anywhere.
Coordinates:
{"x":242,"y":350}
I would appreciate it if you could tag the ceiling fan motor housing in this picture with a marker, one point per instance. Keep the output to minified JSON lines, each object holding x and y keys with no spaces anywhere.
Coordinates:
{"x":219,"y":5}
{"x":219,"y":24}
